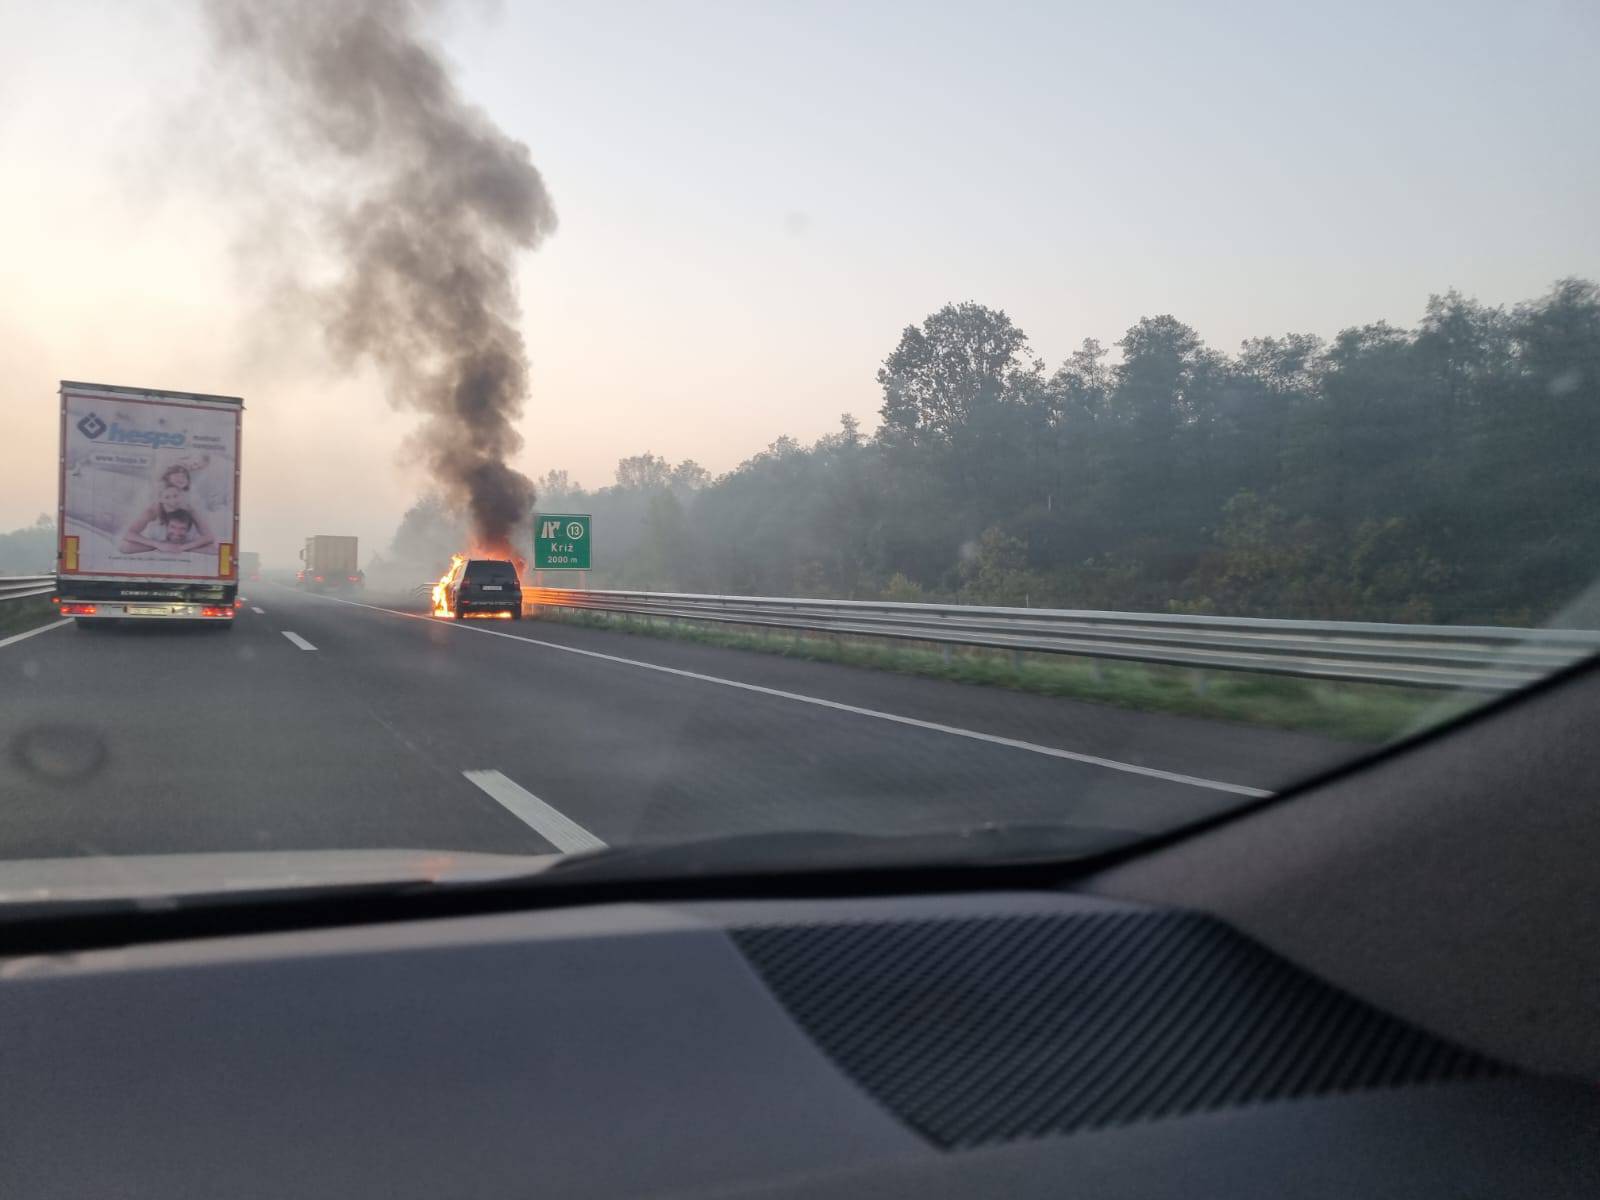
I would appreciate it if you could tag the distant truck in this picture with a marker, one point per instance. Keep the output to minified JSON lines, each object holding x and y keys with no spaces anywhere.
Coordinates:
{"x":330,"y":564}
{"x":147,"y":515}
{"x":249,"y":566}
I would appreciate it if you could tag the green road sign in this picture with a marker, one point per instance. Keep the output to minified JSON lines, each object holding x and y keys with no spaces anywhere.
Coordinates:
{"x":561,"y":541}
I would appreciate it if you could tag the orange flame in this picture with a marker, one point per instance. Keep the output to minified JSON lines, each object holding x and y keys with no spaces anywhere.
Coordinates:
{"x":441,"y":598}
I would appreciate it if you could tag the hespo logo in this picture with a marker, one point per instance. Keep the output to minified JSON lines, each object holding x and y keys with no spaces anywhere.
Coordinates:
{"x":93,"y":427}
{"x":154,"y":438}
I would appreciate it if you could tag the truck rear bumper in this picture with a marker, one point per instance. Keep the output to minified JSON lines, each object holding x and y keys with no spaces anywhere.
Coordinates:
{"x":107,"y":601}
{"x":99,"y":610}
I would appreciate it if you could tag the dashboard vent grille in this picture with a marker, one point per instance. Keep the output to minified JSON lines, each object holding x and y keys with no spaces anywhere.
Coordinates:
{"x":985,"y":1030}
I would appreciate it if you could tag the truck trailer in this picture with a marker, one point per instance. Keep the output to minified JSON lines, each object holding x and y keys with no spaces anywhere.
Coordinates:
{"x":329,"y":564}
{"x":147,"y":520}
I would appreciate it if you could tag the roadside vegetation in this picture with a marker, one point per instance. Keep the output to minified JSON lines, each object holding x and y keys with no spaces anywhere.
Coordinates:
{"x":19,"y":616}
{"x":1444,"y":473}
{"x":30,"y":550}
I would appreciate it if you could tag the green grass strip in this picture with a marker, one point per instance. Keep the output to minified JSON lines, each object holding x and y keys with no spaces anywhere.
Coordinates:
{"x":19,"y":616}
{"x":1359,"y":712}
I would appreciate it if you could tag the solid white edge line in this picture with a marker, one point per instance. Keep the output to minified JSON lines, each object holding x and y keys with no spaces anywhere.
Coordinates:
{"x":554,"y":826}
{"x":1111,"y":764}
{"x":297,"y":640}
{"x":17,"y":637}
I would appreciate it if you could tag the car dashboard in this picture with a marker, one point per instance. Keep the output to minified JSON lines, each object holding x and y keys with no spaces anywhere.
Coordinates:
{"x":981,"y":1043}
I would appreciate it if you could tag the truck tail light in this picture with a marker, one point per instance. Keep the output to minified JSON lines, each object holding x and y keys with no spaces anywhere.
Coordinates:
{"x":353,"y":578}
{"x":78,"y":610}
{"x":216,"y":611}
{"x":318,"y":579}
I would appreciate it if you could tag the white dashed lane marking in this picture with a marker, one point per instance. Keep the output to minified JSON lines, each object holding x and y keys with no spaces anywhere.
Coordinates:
{"x":555,"y":827}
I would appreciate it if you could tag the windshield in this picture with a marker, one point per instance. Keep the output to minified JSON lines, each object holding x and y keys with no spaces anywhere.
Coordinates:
{"x":895,"y":432}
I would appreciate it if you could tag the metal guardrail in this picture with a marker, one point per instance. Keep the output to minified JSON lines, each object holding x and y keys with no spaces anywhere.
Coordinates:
{"x":1480,"y":657}
{"x":20,"y":587}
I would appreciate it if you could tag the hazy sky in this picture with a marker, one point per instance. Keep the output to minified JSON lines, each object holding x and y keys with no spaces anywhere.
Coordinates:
{"x":756,"y":197}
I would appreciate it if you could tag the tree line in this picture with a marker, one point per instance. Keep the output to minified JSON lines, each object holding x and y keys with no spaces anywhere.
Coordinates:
{"x":1448,"y":472}
{"x":30,"y":550}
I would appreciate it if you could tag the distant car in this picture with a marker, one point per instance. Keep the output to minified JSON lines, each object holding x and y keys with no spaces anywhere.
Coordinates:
{"x":485,"y":587}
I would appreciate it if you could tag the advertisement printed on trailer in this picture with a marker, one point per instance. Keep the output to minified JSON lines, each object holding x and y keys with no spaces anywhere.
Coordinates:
{"x":149,"y":502}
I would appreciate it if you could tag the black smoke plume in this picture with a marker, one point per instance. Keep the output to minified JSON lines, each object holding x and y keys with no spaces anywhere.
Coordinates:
{"x":432,"y":205}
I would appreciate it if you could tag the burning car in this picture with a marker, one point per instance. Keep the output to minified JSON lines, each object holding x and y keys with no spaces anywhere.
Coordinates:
{"x":479,"y":587}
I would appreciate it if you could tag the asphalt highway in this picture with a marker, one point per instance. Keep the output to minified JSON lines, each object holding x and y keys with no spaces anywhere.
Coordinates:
{"x":359,"y":722}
